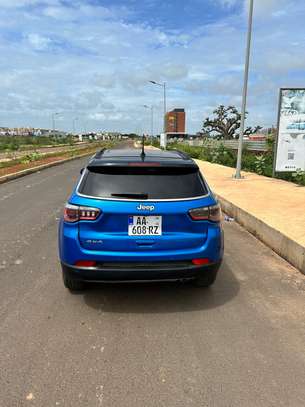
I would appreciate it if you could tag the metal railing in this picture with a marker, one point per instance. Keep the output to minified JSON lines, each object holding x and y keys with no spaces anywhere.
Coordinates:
{"x":259,"y":146}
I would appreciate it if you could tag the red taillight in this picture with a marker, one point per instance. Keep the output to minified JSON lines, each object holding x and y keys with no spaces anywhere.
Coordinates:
{"x":200,"y":262}
{"x":71,"y":213}
{"x":88,"y":213}
{"x":74,"y":213}
{"x":85,"y":263}
{"x":200,"y":213}
{"x":212,"y":213}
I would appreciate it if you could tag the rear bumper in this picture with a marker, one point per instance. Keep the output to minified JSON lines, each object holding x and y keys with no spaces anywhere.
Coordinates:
{"x":70,"y":250}
{"x":122,"y":272}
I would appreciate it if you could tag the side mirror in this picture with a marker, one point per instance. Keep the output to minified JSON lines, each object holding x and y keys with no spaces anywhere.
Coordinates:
{"x":82,"y":170}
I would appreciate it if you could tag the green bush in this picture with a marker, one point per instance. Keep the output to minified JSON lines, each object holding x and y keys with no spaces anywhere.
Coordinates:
{"x":261,"y":164}
{"x":224,"y":156}
{"x":299,"y":176}
{"x":30,"y":158}
{"x":218,"y":154}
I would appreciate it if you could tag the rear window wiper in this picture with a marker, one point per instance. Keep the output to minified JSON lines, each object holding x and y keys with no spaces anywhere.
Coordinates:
{"x":131,"y":195}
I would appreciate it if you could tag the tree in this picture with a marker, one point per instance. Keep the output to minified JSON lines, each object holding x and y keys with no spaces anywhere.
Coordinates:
{"x":252,"y":130}
{"x":226,"y":123}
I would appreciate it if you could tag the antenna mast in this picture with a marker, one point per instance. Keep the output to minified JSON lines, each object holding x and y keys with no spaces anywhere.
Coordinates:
{"x":143,"y":144}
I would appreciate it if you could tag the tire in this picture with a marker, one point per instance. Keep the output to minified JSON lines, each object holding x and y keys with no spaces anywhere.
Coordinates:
{"x":208,"y":277}
{"x":72,"y":284}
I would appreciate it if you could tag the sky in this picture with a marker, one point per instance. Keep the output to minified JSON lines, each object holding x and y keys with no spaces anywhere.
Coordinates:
{"x":91,"y":60}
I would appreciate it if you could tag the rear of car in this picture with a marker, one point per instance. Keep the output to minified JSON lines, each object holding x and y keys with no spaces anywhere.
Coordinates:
{"x":140,"y":218}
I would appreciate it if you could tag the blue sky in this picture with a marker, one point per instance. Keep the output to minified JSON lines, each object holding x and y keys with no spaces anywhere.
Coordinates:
{"x":92,"y":59}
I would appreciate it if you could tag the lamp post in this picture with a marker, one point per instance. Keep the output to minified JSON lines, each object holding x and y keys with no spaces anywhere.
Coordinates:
{"x":53,"y":120}
{"x":245,"y":92}
{"x":151,"y":118}
{"x":85,"y":126}
{"x":74,"y":120}
{"x":163,"y":85}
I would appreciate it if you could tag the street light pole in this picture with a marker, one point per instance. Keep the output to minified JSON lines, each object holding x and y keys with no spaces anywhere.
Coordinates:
{"x":152,"y":122}
{"x":146,"y":107}
{"x":151,"y":118}
{"x":53,"y":120}
{"x":164,"y":98}
{"x":85,"y":126}
{"x":74,"y":120}
{"x":245,"y":92}
{"x":163,"y":85}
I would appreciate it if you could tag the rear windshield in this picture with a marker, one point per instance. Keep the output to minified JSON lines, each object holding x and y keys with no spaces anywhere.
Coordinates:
{"x":148,"y":183}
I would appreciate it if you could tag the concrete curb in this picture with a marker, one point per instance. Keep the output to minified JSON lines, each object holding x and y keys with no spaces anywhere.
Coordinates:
{"x":285,"y":247}
{"x":19,"y":174}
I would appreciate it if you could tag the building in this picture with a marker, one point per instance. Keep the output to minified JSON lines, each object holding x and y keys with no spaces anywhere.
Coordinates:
{"x":257,"y":137}
{"x":175,"y":122}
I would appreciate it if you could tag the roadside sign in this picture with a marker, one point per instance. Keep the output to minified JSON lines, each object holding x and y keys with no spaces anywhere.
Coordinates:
{"x":290,"y":143}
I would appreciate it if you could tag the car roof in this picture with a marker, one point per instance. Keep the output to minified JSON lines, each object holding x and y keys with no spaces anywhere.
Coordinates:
{"x":123,"y":157}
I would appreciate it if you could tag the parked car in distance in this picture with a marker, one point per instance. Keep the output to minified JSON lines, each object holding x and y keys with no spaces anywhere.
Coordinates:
{"x":140,"y":217}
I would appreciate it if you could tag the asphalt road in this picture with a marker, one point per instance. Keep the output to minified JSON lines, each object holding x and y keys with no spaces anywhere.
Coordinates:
{"x":241,"y":343}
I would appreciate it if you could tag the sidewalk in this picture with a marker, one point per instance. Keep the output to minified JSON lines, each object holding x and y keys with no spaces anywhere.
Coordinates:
{"x":271,"y":209}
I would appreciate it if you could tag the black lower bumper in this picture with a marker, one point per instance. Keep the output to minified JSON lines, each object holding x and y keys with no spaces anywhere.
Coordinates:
{"x":133,"y":272}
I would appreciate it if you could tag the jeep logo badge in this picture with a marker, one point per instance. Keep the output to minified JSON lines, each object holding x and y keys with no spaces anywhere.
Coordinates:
{"x":146,"y":207}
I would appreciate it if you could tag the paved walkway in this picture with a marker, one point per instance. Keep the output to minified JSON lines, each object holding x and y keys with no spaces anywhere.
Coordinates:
{"x":279,"y":204}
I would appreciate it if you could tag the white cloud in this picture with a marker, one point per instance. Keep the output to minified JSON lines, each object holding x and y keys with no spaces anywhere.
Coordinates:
{"x":267,"y":8}
{"x":228,"y":3}
{"x":86,"y":61}
{"x":38,"y":42}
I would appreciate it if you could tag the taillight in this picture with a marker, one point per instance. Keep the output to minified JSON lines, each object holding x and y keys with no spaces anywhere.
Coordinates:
{"x":86,"y":213}
{"x":215,"y":213}
{"x":74,"y":213}
{"x":211,"y":213}
{"x":200,"y":262}
{"x":71,"y":213}
{"x":85,"y":263}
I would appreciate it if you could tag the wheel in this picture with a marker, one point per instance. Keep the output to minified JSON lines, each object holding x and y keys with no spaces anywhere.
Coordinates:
{"x":71,"y":283}
{"x":208,"y":277}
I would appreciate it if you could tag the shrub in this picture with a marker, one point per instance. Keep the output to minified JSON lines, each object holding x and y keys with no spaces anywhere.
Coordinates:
{"x":299,"y":176}
{"x":30,"y":158}
{"x":224,"y":156}
{"x":260,"y":164}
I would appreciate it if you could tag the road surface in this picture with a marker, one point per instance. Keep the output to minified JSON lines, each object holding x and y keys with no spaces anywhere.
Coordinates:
{"x":241,"y":343}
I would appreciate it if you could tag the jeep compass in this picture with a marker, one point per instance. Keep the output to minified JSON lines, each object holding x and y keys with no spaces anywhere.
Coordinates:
{"x":136,"y":216}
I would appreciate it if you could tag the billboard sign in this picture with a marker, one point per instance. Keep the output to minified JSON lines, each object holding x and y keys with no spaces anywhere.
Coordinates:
{"x":290,"y":148}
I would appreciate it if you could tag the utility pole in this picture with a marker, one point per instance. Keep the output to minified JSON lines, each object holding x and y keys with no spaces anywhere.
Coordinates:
{"x":151,"y":118}
{"x":245,"y":93}
{"x":163,"y":85}
{"x":74,"y":120}
{"x":164,"y":99}
{"x":53,"y":120}
{"x":152,"y":122}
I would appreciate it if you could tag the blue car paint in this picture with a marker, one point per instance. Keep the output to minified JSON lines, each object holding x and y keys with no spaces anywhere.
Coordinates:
{"x":208,"y":235}
{"x":183,"y":240}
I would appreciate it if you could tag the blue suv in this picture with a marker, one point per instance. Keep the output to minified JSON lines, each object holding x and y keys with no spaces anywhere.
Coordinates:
{"x":136,"y":216}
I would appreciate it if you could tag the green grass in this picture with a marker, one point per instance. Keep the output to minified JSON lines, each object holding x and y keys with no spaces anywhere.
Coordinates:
{"x":16,"y":143}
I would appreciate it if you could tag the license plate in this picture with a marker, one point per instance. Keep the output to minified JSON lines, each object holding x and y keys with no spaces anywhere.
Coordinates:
{"x":145,"y":225}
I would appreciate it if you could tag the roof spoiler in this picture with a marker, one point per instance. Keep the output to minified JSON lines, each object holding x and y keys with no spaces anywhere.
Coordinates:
{"x":136,"y":163}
